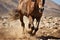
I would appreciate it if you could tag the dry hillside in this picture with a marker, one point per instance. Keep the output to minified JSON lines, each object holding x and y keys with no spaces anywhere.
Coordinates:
{"x":10,"y":25}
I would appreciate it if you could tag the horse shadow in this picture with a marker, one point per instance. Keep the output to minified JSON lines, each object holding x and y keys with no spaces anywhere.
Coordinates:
{"x":47,"y":37}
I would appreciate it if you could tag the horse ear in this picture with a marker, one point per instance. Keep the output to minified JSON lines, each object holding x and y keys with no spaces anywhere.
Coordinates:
{"x":41,"y":3}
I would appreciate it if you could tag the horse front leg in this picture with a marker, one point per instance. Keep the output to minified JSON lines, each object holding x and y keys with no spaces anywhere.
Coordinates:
{"x":30,"y":25}
{"x":22,"y":23}
{"x":38,"y":18}
{"x":36,"y":24}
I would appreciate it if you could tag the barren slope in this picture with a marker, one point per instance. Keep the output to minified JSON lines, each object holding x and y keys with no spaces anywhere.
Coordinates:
{"x":11,"y":30}
{"x":51,"y":9}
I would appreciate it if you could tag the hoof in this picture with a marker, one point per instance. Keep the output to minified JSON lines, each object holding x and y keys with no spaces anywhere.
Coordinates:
{"x":31,"y":34}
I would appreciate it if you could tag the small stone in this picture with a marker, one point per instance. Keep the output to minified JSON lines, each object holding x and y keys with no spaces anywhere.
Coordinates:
{"x":48,"y":34}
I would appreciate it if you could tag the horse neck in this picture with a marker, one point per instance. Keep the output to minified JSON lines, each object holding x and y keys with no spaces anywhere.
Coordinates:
{"x":36,"y":6}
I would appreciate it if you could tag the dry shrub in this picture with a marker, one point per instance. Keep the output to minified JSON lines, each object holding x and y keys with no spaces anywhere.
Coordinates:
{"x":13,"y":15}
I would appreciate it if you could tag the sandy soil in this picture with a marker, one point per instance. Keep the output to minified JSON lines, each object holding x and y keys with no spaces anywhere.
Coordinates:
{"x":12,"y":30}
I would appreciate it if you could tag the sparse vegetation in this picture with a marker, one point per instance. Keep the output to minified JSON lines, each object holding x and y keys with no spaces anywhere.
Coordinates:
{"x":10,"y":26}
{"x":49,"y":26}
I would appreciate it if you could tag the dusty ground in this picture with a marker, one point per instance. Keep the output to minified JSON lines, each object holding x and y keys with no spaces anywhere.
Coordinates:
{"x":11,"y":29}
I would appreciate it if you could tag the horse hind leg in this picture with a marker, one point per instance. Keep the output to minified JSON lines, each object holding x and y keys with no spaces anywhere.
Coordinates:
{"x":30,"y":25}
{"x":34,"y":28}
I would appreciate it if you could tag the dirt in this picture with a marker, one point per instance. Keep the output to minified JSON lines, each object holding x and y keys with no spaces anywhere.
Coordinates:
{"x":12,"y":30}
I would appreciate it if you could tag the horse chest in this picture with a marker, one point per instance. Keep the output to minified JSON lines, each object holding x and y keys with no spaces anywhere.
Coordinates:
{"x":27,"y":7}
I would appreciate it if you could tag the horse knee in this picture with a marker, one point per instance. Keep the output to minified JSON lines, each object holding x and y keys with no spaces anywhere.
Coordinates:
{"x":36,"y":29}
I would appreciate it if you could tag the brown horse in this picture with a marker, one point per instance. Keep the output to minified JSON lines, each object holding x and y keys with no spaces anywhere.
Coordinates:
{"x":33,"y":9}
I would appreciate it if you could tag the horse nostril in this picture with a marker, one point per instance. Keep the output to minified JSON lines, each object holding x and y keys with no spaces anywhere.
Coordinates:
{"x":29,"y":25}
{"x":41,"y":9}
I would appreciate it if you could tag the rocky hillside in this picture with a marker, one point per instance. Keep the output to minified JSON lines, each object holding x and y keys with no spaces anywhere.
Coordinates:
{"x":10,"y":25}
{"x":7,"y":5}
{"x":51,"y":9}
